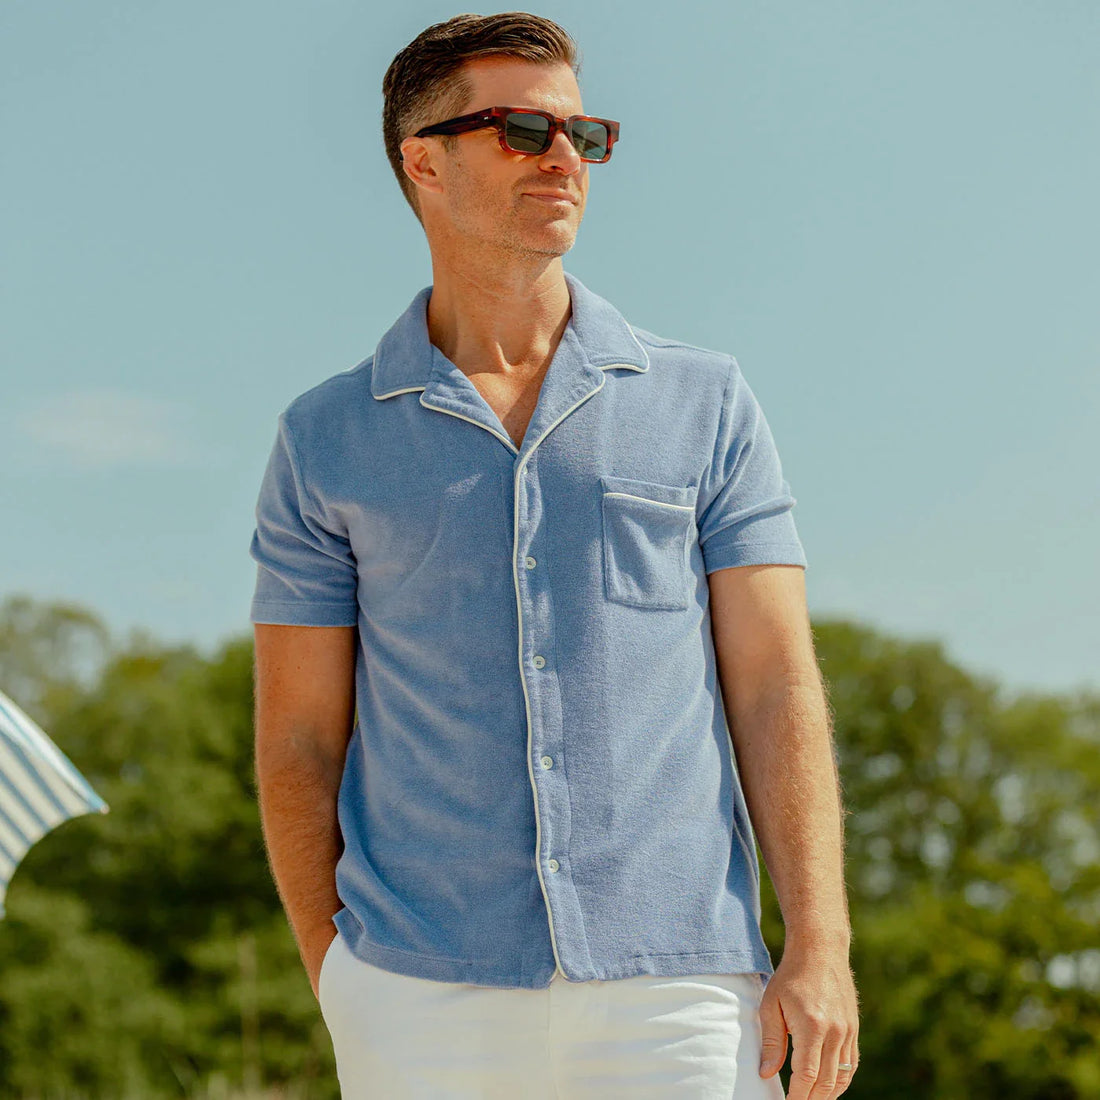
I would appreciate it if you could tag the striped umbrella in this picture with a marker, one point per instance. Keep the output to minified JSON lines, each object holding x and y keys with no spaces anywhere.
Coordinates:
{"x":39,"y":789}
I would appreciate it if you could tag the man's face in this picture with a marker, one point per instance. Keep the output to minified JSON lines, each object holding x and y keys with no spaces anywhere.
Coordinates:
{"x":485,"y":189}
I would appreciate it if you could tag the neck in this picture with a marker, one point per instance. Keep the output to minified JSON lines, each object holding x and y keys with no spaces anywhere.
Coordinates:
{"x":493,"y":321}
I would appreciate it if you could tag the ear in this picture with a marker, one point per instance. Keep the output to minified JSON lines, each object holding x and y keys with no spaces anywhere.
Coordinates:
{"x":418,"y":159}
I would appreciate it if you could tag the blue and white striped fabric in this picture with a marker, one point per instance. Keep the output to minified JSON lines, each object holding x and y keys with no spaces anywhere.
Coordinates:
{"x":39,"y":789}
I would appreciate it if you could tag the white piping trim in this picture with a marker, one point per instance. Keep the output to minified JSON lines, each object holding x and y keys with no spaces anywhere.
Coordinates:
{"x":650,"y":500}
{"x":414,"y":389}
{"x":645,"y":354}
{"x":507,"y":441}
{"x":394,"y":393}
{"x":477,"y":424}
{"x":522,"y":678}
{"x":632,"y":366}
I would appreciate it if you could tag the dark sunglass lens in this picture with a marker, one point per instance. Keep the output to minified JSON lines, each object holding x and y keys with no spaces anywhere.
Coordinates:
{"x":526,"y":133}
{"x":590,"y":139}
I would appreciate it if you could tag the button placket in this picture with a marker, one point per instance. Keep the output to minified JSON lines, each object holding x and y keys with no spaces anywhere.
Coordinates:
{"x":542,"y":690}
{"x":535,"y":630}
{"x":546,"y":762}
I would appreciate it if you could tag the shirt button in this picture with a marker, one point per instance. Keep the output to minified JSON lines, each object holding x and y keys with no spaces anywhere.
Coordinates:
{"x":538,"y":660}
{"x":547,"y":761}
{"x":529,"y":562}
{"x":552,"y":864}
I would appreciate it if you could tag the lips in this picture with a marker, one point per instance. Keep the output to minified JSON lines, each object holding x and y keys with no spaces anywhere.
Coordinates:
{"x":551,"y":196}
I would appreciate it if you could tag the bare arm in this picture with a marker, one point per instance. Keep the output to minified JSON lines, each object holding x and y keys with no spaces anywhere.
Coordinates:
{"x":782,"y":736}
{"x":305,"y":704}
{"x":778,"y":717}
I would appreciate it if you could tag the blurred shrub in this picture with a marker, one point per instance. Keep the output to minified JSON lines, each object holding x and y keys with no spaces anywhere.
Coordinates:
{"x":146,"y":955}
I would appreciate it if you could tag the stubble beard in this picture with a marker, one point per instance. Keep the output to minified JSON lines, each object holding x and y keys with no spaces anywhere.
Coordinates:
{"x":524,"y":232}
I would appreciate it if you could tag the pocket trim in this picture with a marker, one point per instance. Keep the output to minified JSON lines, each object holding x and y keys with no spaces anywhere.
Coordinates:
{"x":653,"y":492}
{"x":650,"y":500}
{"x":664,"y":582}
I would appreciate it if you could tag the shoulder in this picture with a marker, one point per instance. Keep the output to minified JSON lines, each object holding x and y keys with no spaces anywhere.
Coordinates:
{"x":686,"y":362}
{"x":334,"y":392}
{"x":335,"y":403}
{"x":328,"y":420}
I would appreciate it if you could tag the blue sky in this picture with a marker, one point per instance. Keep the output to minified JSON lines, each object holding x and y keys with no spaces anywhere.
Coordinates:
{"x":886,"y":211}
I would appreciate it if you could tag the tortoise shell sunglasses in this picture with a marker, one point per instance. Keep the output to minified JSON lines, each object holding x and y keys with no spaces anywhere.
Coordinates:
{"x":531,"y":131}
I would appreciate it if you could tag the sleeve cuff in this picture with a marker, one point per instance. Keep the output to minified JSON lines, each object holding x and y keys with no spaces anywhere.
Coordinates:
{"x":291,"y":613}
{"x":754,"y":553}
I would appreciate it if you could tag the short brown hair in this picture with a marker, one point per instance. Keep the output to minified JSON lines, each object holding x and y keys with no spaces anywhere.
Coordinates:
{"x":425,"y":82}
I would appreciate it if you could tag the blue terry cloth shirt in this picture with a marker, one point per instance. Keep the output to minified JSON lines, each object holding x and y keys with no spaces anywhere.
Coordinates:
{"x":540,"y":773}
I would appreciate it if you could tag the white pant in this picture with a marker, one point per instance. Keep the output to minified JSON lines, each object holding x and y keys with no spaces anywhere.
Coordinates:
{"x":403,"y":1038}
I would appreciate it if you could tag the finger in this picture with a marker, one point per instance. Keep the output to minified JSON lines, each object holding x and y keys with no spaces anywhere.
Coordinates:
{"x":849,"y":1055}
{"x":824,"y":1088}
{"x":773,"y":1031}
{"x":805,"y":1065}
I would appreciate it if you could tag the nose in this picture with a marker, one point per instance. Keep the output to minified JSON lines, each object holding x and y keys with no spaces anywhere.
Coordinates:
{"x":563,"y":152}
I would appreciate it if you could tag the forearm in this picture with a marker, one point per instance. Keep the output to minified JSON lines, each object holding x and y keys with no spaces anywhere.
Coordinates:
{"x":298,"y":789}
{"x":788,"y":771}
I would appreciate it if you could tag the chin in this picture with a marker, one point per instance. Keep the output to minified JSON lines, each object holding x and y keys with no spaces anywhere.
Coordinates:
{"x":549,"y":241}
{"x":557,"y":247}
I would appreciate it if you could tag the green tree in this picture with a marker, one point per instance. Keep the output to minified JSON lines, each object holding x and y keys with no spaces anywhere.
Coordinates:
{"x":49,"y":653}
{"x":168,"y":904}
{"x":973,"y":875}
{"x":147,"y":952}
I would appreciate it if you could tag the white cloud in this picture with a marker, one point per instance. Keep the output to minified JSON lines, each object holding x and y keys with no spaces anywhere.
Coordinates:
{"x":110,"y":427}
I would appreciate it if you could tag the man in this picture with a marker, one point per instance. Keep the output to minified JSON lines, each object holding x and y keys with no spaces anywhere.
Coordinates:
{"x":515,"y":572}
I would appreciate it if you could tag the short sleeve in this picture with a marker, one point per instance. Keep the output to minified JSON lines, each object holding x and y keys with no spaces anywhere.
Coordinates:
{"x":306,"y":570}
{"x":744,"y":506}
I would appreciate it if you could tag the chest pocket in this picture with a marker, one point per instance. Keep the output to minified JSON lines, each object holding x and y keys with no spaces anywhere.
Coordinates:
{"x":647,"y":535}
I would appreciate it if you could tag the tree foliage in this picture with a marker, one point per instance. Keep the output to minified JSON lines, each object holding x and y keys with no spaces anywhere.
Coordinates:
{"x":146,"y":950}
{"x":973,"y":871}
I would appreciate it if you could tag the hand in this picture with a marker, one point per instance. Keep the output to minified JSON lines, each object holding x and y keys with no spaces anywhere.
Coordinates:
{"x":313,"y":954}
{"x":812,"y":995}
